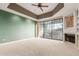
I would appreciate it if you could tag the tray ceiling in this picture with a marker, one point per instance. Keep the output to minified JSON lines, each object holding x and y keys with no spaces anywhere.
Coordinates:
{"x":29,"y":10}
{"x":36,"y":10}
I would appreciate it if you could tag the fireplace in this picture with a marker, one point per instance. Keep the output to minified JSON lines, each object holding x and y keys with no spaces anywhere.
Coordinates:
{"x":70,"y":38}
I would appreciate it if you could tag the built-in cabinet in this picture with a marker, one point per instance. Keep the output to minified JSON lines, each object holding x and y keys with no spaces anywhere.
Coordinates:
{"x":77,"y":21}
{"x":77,"y":34}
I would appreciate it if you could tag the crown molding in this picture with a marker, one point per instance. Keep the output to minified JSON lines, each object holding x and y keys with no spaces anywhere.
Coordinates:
{"x":24,"y":11}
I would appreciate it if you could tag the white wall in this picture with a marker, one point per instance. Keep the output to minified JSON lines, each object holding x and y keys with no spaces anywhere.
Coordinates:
{"x":71,"y":30}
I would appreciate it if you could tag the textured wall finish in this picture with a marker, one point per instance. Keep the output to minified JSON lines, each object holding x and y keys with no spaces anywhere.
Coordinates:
{"x":14,"y":27}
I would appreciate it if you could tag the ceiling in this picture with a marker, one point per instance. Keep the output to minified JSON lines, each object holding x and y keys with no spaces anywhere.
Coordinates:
{"x":28,"y":12}
{"x":36,"y":10}
{"x":68,"y":9}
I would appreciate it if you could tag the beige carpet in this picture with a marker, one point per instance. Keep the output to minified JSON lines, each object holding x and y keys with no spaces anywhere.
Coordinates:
{"x":38,"y":47}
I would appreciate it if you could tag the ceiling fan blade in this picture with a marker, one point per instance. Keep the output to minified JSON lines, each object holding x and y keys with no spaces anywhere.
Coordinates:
{"x":34,"y":5}
{"x":41,"y":9}
{"x":44,"y":6}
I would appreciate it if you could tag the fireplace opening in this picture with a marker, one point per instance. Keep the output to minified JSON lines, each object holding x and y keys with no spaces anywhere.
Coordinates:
{"x":70,"y":38}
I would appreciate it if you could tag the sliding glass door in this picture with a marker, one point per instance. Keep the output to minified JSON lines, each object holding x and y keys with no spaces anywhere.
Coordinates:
{"x":53,"y":29}
{"x":47,"y":29}
{"x":57,"y":29}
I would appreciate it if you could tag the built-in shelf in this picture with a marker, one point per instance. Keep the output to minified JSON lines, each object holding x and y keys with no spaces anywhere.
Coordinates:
{"x":77,"y":21}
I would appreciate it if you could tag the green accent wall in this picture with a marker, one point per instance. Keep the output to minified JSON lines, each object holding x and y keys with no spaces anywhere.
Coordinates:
{"x":14,"y":27}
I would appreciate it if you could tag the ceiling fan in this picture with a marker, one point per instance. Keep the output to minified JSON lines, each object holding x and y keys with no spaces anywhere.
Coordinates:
{"x":40,"y":5}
